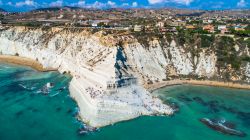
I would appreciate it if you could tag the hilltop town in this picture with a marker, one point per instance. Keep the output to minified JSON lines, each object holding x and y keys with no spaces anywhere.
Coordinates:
{"x":157,"y":21}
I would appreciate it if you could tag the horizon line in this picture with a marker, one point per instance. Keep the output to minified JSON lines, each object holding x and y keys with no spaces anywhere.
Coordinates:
{"x":128,"y":8}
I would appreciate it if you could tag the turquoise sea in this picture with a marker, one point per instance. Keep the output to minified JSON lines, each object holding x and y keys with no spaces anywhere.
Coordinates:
{"x":28,"y":114}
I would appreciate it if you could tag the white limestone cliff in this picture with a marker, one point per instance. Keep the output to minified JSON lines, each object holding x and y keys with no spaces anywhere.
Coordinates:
{"x":92,"y":66}
{"x":108,"y":80}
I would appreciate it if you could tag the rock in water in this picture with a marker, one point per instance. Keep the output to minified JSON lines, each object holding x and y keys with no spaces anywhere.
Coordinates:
{"x":86,"y":129}
{"x":222,"y":127}
{"x":50,"y":85}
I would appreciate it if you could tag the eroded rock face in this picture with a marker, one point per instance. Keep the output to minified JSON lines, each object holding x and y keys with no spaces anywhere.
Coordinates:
{"x":248,"y":72}
{"x":108,"y":78}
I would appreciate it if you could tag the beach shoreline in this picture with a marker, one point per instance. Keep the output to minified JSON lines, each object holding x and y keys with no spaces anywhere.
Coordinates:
{"x":18,"y":60}
{"x":156,"y":86}
{"x":24,"y":62}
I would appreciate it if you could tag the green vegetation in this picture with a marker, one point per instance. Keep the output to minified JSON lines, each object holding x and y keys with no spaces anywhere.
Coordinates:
{"x":102,"y":24}
{"x":181,"y":40}
{"x":144,"y":37}
{"x":196,"y":41}
{"x":207,"y":41}
{"x":1,"y":16}
{"x":248,"y":27}
{"x":191,"y":37}
{"x":246,"y":58}
{"x":247,"y":42}
{"x":29,"y":24}
{"x":226,"y":53}
{"x":245,"y":33}
{"x":244,"y":43}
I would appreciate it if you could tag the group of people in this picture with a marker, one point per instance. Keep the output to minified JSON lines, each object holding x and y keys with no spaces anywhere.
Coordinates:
{"x":93,"y":93}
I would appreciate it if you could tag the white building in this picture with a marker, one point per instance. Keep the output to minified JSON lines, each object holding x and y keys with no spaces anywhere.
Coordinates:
{"x":208,"y":21}
{"x":60,"y":17}
{"x":138,"y":28}
{"x":94,"y":24}
{"x":222,"y":27}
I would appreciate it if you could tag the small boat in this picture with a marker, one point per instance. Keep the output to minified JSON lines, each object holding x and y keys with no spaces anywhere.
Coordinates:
{"x":223,"y":127}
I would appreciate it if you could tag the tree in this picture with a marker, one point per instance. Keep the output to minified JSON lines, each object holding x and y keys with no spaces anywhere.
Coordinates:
{"x":1,"y":16}
{"x":207,"y":41}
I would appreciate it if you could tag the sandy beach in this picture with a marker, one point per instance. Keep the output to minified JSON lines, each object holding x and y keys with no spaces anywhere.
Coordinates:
{"x":25,"y":62}
{"x":151,"y":87}
{"x":156,"y":86}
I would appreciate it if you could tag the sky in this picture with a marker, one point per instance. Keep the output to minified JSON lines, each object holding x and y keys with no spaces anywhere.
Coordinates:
{"x":26,"y":5}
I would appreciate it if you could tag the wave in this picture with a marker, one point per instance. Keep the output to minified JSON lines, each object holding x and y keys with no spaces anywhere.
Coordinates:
{"x":26,"y":87}
{"x":55,"y":94}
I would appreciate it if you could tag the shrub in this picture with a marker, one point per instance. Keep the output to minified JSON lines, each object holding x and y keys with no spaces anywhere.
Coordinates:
{"x":206,"y":41}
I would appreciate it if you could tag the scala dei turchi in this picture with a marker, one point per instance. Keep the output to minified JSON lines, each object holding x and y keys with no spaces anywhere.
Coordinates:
{"x":111,"y":72}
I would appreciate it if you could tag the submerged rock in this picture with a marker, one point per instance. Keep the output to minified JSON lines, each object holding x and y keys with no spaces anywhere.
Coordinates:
{"x":223,"y":127}
{"x":86,"y":129}
{"x":19,"y":113}
{"x":46,"y":88}
{"x":184,"y":98}
{"x":214,"y":106}
{"x":200,"y":101}
{"x":61,"y":89}
{"x":50,"y":85}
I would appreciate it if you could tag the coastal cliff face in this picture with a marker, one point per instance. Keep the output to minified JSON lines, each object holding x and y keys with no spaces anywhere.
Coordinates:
{"x":110,"y":73}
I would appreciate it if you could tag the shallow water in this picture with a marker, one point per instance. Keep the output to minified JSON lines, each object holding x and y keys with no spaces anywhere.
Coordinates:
{"x":26,"y":113}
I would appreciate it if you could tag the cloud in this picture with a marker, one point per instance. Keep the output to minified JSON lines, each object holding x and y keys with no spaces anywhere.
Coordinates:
{"x":10,"y":3}
{"x":134,"y":4}
{"x":125,"y":4}
{"x":155,"y":1}
{"x":80,"y":3}
{"x":112,"y":4}
{"x":57,"y":3}
{"x":183,"y":2}
{"x":97,"y":4}
{"x":100,"y":5}
{"x":29,"y":3}
{"x":242,"y":3}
